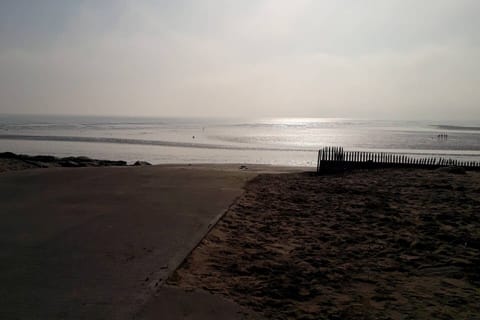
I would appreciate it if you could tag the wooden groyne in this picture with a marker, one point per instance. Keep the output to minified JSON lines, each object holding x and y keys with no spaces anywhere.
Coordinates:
{"x":335,"y":159}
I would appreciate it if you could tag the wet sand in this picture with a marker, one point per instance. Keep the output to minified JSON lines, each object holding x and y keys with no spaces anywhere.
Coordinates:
{"x":386,"y":244}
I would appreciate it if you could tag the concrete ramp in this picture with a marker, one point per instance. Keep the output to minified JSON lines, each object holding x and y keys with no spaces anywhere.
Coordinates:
{"x":96,"y":243}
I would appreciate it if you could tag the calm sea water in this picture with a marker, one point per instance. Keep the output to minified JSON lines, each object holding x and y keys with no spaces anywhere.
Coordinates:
{"x":281,"y":141}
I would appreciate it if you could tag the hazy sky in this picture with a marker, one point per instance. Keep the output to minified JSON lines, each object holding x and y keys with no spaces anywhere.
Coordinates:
{"x":342,"y":58}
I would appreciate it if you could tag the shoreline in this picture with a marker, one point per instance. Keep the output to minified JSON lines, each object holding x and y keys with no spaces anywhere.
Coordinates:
{"x":10,"y":161}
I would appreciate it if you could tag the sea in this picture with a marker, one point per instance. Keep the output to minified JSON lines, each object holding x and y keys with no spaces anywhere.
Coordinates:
{"x":276,"y":141}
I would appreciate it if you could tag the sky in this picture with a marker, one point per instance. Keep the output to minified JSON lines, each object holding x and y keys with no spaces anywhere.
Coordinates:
{"x":389,"y":59}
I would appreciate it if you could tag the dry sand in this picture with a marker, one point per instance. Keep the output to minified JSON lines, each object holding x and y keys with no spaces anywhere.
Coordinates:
{"x":392,"y":244}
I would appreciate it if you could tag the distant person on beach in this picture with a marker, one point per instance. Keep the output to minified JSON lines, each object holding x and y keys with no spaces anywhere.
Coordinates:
{"x":442,"y":136}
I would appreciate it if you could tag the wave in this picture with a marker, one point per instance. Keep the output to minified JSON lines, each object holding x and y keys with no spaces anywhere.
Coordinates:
{"x":143,"y":142}
{"x":450,"y":127}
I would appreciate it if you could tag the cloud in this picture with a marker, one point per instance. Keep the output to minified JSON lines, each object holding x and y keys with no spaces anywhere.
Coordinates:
{"x":257,"y":58}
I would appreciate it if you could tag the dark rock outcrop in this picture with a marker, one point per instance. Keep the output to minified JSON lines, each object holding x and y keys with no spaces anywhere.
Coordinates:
{"x":142,"y":163}
{"x":42,"y":161}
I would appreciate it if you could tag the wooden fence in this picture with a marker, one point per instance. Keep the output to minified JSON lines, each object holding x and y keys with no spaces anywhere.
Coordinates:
{"x":335,"y":159}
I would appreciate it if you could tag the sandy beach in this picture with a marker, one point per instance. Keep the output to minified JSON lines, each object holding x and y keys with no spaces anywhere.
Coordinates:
{"x":238,"y":242}
{"x":385,"y":244}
